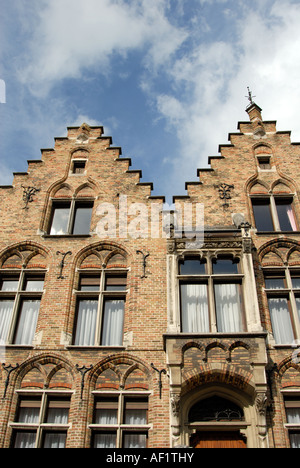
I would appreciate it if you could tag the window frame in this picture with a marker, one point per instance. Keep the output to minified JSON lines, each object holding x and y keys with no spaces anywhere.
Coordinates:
{"x":120,"y":429}
{"x":288,"y":397}
{"x":211,"y":279}
{"x":20,"y":295}
{"x":72,"y":205}
{"x":272,"y":201}
{"x":78,"y":163}
{"x":41,"y":427}
{"x":288,"y":292}
{"x":102,"y":295}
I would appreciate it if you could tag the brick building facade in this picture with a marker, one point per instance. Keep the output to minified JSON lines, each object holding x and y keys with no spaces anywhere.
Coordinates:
{"x":118,"y":329}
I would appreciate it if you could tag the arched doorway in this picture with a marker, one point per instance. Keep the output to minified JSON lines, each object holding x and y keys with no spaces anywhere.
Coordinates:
{"x":215,"y":413}
{"x":217,"y":416}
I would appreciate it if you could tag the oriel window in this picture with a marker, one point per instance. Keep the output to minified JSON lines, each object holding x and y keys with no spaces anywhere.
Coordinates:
{"x":210,"y":293}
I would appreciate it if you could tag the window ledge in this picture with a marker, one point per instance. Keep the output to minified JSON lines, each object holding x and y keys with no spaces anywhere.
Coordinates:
{"x":96,"y":347}
{"x":272,"y":233}
{"x":68,"y":236}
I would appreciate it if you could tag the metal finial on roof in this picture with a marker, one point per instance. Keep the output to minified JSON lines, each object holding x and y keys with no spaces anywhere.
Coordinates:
{"x":250,"y":97}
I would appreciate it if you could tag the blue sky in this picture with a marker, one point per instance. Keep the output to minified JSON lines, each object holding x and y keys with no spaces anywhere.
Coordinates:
{"x":167,"y":79}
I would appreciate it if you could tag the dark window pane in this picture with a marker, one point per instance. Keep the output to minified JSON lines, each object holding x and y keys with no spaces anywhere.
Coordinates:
{"x":285,"y":215}
{"x":78,"y":167}
{"x":225,"y":266}
{"x":262,"y":215}
{"x":192,"y":266}
{"x":82,"y":220}
{"x":60,"y":220}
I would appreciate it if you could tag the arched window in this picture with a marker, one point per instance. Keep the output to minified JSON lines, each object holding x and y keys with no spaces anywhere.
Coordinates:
{"x":215,"y":409}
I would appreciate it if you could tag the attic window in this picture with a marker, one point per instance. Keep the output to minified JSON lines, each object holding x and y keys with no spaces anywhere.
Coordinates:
{"x":78,"y":167}
{"x":264,"y":162}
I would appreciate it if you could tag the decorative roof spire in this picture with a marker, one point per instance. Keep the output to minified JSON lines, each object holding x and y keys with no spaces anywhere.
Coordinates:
{"x":250,"y":97}
{"x":254,"y":112}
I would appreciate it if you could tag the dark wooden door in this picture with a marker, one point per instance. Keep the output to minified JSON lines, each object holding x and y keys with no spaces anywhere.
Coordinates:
{"x":218,"y":440}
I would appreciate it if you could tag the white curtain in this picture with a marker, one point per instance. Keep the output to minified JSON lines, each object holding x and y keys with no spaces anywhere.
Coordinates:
{"x":6,"y":308}
{"x":134,"y":441}
{"x":295,"y":440}
{"x":291,"y":218}
{"x":58,"y":415}
{"x":106,"y":416}
{"x":25,"y":440}
{"x":86,"y":323}
{"x":281,"y":321}
{"x":55,"y":440}
{"x":27,"y":322}
{"x":293,"y":415}
{"x":228,"y":308}
{"x":135,"y":416}
{"x":29,"y":415}
{"x":105,"y":441}
{"x":194,"y":308}
{"x":112,"y":333}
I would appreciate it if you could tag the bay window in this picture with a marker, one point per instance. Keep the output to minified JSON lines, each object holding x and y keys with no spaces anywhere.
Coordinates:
{"x":210,"y":293}
{"x":100,"y":309}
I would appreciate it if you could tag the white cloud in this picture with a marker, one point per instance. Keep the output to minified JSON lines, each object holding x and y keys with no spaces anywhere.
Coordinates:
{"x":215,"y":75}
{"x":72,"y":36}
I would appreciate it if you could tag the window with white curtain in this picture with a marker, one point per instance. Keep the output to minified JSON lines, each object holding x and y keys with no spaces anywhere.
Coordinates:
{"x":210,"y":293}
{"x":100,"y":308}
{"x":20,"y":297}
{"x":42,"y":420}
{"x":292,"y":408}
{"x":120,"y":420}
{"x":282,"y":287}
